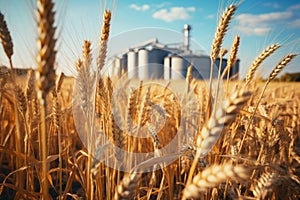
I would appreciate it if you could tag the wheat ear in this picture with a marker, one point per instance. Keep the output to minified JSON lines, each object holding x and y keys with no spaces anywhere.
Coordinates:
{"x":232,"y":56}
{"x":264,"y":185}
{"x":277,"y":69}
{"x":78,"y":64}
{"x":87,"y":54}
{"x":21,"y":100}
{"x":128,"y":186}
{"x":261,"y":57}
{"x":30,"y":89}
{"x":221,"y":30}
{"x":6,"y":38}
{"x":60,"y":81}
{"x":103,"y":40}
{"x":118,"y":136}
{"x":46,"y":46}
{"x":131,"y":111}
{"x":222,"y":117}
{"x":213,"y":176}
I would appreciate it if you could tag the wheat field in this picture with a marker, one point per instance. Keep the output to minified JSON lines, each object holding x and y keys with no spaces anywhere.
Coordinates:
{"x":77,"y":137}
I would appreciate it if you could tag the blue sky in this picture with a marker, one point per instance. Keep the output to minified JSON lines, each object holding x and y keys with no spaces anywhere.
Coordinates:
{"x":258,"y":22}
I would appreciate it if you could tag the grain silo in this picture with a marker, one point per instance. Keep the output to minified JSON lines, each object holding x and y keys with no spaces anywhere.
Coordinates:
{"x":201,"y":65}
{"x":153,"y":60}
{"x":150,"y":63}
{"x":167,"y":67}
{"x":117,"y":67}
{"x":132,"y":64}
{"x":176,"y":67}
{"x":124,"y":65}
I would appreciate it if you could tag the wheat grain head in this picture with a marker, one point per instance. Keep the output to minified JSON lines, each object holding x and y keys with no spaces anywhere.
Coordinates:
{"x":5,"y":37}
{"x":221,"y":31}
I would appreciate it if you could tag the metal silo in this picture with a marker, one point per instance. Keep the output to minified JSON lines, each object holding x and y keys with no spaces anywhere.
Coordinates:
{"x":108,"y":70}
{"x":123,"y":64}
{"x":201,"y":63}
{"x":132,"y":64}
{"x":143,"y":55}
{"x":117,"y":67}
{"x":167,"y":67}
{"x":235,"y":69}
{"x":223,"y":64}
{"x":179,"y":67}
{"x":151,"y":63}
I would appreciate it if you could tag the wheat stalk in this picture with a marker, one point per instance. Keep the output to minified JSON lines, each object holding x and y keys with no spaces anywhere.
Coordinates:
{"x":216,"y":47}
{"x":7,"y":44}
{"x":103,"y":40}
{"x":211,"y":131}
{"x":45,"y":75}
{"x":223,"y":52}
{"x":212,"y":177}
{"x":84,"y":103}
{"x":284,"y":61}
{"x":56,"y":113}
{"x":261,"y":57}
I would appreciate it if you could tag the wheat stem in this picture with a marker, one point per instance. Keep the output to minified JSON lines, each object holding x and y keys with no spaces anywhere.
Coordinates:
{"x":216,"y":47}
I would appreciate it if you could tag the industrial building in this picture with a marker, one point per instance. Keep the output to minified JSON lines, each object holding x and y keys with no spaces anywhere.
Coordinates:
{"x":153,"y":60}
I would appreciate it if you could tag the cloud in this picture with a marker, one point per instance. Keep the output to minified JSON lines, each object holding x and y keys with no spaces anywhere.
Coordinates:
{"x":175,"y":13}
{"x":164,"y":4}
{"x":211,"y":16}
{"x":272,"y":5}
{"x":295,"y":23}
{"x":191,"y":9}
{"x":254,"y":31}
{"x":294,"y":7}
{"x":139,"y":8}
{"x":251,"y":24}
{"x":252,"y":19}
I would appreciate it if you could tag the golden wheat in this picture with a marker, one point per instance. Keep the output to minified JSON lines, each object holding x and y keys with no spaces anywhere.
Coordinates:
{"x":246,"y":148}
{"x":6,"y":38}
{"x":261,"y":57}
